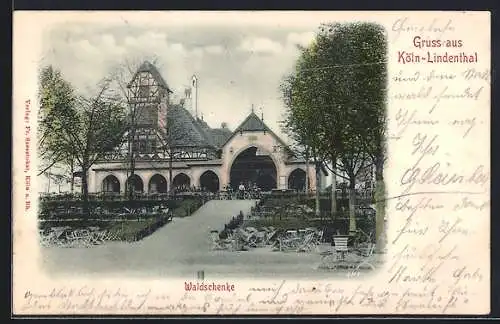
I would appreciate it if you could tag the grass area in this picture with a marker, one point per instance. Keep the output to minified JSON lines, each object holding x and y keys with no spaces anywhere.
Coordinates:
{"x":125,"y":227}
{"x":132,"y":230}
{"x":187,"y":207}
{"x":122,"y":230}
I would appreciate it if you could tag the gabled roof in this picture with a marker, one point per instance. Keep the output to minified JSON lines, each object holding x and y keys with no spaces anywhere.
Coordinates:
{"x":254,"y":124}
{"x":220,"y":136}
{"x":185,"y":130}
{"x":217,"y":135}
{"x":146,"y":66}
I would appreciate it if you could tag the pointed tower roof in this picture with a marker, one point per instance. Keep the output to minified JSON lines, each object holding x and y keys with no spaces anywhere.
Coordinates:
{"x":147,"y":66}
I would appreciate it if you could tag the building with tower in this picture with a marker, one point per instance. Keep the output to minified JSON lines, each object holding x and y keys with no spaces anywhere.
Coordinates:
{"x":170,"y":146}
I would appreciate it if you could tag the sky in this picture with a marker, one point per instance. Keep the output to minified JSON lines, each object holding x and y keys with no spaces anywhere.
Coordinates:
{"x":238,"y":62}
{"x":236,"y":65}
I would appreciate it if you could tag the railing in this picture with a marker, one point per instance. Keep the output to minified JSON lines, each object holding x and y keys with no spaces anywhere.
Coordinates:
{"x":112,"y":196}
{"x":362,"y":194}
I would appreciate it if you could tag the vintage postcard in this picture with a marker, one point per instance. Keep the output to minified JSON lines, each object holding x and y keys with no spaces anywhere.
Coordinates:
{"x":185,"y":163}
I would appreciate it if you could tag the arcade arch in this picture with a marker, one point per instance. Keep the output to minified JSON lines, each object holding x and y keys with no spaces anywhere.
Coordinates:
{"x":111,"y":184}
{"x":209,"y":181}
{"x":253,"y":167}
{"x":158,"y":184}
{"x":181,"y":181}
{"x":297,"y":180}
{"x":136,"y":183}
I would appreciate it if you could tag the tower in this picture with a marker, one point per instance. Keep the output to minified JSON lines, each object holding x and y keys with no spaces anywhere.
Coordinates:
{"x":188,"y":100}
{"x":194,"y":94}
{"x":149,"y":96}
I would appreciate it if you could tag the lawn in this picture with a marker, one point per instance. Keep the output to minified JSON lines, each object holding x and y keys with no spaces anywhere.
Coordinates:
{"x":119,"y":226}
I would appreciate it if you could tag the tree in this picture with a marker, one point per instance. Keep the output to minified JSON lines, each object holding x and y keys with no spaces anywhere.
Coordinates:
{"x":81,"y":128}
{"x":300,"y":125}
{"x":358,"y":53}
{"x":343,"y":74}
{"x":57,"y":99}
{"x":126,"y":87}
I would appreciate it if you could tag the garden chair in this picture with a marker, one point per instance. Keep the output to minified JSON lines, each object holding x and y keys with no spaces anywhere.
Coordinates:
{"x":307,"y":244}
{"x":366,"y":258}
{"x":273,"y":237}
{"x":269,"y":238}
{"x":248,"y":239}
{"x":288,"y":242}
{"x":49,"y":239}
{"x":340,"y":245}
{"x":99,"y":237}
{"x":217,"y":243}
{"x":318,"y":237}
{"x":261,"y":238}
{"x":366,"y":250}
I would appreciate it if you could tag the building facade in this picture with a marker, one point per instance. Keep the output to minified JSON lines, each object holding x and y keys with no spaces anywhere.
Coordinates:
{"x":169,"y":145}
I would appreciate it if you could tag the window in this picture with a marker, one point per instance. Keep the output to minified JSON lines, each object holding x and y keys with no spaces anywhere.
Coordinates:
{"x":142,"y":146}
{"x":152,"y":146}
{"x":143,"y":91}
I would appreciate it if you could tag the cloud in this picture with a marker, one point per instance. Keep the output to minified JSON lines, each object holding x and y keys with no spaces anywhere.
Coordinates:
{"x":214,"y":49}
{"x":231,"y":80}
{"x":261,"y":45}
{"x":303,"y":39}
{"x":177,"y":47}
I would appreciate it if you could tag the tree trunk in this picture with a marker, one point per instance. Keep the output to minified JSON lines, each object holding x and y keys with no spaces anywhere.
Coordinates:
{"x":170,"y":180}
{"x":85,"y":192}
{"x":334,"y":188}
{"x":72,"y":169}
{"x":48,"y":184}
{"x":307,"y":174}
{"x":380,"y":206}
{"x":317,"y":203}
{"x":352,"y":205}
{"x":130,"y":182}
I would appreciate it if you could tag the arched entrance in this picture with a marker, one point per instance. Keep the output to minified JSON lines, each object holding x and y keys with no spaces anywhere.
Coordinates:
{"x":181,"y":182}
{"x":297,"y":180}
{"x":253,"y":167}
{"x":158,"y":184}
{"x":111,"y":184}
{"x":209,"y":181}
{"x":136,"y":183}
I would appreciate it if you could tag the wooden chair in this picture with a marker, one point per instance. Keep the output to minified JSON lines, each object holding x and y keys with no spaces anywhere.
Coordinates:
{"x":340,"y":244}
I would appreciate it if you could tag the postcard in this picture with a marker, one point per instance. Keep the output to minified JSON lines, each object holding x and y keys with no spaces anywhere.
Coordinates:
{"x":209,"y":163}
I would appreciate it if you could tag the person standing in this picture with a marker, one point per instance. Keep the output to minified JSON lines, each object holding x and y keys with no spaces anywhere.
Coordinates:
{"x":241,"y":190}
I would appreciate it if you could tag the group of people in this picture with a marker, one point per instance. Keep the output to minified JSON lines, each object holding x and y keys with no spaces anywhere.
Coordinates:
{"x":242,"y":189}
